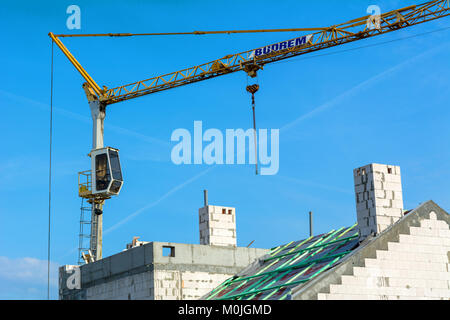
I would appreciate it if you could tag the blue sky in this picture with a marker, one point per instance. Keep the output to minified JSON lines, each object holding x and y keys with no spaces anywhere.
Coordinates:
{"x":386,"y":104}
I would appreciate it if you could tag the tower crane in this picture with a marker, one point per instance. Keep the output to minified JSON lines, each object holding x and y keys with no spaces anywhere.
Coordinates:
{"x":105,"y":177}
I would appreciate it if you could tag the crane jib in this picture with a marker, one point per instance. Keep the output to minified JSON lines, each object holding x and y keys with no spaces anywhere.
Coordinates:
{"x":297,"y":42}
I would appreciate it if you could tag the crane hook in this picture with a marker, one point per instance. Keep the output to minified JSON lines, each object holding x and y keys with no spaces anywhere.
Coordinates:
{"x":253,"y":89}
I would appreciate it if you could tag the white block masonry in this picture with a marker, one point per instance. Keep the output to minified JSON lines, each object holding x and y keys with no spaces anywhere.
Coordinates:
{"x":160,"y":285}
{"x":415,"y":267}
{"x":379,"y":200}
{"x":217,"y":226}
{"x":185,"y":285}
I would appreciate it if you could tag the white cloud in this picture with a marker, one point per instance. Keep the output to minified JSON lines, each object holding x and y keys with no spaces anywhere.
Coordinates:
{"x":28,"y":270}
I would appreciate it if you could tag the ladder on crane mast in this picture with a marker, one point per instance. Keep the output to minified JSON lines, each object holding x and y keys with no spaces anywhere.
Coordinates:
{"x":85,"y":232}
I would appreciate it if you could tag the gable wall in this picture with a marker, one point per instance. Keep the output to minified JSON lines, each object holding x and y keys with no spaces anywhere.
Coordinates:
{"x":414,"y":267}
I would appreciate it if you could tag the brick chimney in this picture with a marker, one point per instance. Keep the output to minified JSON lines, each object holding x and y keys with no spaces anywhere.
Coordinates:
{"x":217,"y":225}
{"x":379,"y":200}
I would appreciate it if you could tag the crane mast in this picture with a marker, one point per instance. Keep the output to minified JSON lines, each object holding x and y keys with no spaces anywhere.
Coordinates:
{"x":105,"y":179}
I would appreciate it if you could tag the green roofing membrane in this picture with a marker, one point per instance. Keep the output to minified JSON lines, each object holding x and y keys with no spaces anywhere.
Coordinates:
{"x":288,"y":266}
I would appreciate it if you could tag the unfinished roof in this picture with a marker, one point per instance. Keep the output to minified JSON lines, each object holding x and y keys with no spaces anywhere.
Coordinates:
{"x":291,"y":265}
{"x":303,"y":269}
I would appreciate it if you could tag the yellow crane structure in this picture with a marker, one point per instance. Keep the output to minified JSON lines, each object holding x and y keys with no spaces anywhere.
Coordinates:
{"x":105,"y":178}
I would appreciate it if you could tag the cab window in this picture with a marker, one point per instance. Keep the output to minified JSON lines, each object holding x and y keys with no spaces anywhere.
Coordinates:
{"x":102,"y":176}
{"x":115,"y":165}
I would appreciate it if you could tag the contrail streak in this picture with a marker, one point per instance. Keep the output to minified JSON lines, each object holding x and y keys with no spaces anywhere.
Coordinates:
{"x":333,"y":102}
{"x":154,"y":203}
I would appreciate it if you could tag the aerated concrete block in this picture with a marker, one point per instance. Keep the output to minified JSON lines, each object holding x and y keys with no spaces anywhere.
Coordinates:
{"x":378,"y":194}
{"x":217,"y":226}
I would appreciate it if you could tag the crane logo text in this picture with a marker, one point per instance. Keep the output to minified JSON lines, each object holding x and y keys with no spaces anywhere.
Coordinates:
{"x":297,"y":42}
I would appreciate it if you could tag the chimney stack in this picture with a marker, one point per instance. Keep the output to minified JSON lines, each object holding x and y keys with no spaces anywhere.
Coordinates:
{"x":217,"y":224}
{"x":379,"y":199}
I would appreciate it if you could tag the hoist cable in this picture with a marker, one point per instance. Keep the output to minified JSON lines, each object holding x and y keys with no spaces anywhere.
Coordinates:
{"x":254,"y":132}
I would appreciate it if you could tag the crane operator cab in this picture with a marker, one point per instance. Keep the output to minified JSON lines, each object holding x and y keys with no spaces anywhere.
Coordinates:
{"x":106,"y":172}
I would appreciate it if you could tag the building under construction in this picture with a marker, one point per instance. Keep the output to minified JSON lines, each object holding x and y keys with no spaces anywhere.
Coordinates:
{"x":165,"y":270}
{"x":390,"y":253}
{"x":216,"y":268}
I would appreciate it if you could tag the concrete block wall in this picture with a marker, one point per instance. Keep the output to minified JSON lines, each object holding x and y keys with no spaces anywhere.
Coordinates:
{"x":185,"y":285}
{"x":134,"y":287}
{"x":167,"y":285}
{"x":217,"y":226}
{"x":197,"y":284}
{"x":379,"y":199}
{"x":148,"y":272}
{"x":64,"y":278}
{"x":157,"y":285}
{"x":415,"y":267}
